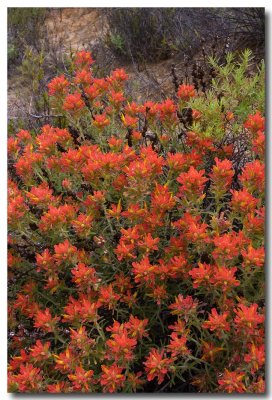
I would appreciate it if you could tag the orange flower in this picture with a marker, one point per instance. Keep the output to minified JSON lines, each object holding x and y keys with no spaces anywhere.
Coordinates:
{"x":143,"y":271}
{"x":58,"y":86}
{"x":217,"y":322}
{"x":116,"y":98}
{"x":177,"y":345}
{"x":247,"y":319}
{"x":136,"y":327}
{"x":231,"y":382}
{"x":192,"y":183}
{"x":112,"y":378}
{"x":80,"y":339}
{"x":210,"y":351}
{"x":84,"y":276}
{"x":201,"y":275}
{"x":222,"y":175}
{"x":253,"y":257}
{"x":81,"y":379}
{"x":73,"y":103}
{"x":156,"y":366}
{"x":45,"y":321}
{"x":82,"y":225}
{"x":65,"y":252}
{"x":119,"y":75}
{"x":225,"y":278}
{"x":29,"y":379}
{"x":40,"y":351}
{"x":148,"y":243}
{"x":184,"y":306}
{"x":186,"y":92}
{"x":255,"y":357}
{"x":243,"y":202}
{"x":66,"y":361}
{"x":83,"y":77}
{"x":41,"y":196}
{"x":100,"y":121}
{"x":253,"y":177}
{"x":83,"y":59}
{"x":121,"y":347}
{"x":128,"y":121}
{"x":255,"y":122}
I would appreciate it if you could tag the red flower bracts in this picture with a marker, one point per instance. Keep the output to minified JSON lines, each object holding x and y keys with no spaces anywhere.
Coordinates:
{"x":136,"y":237}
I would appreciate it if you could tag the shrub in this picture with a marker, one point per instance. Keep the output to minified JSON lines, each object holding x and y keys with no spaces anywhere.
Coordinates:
{"x":152,"y":34}
{"x":136,"y":241}
{"x":24,"y":29}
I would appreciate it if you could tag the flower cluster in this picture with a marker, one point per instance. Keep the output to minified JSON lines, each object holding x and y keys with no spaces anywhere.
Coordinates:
{"x":136,"y":244}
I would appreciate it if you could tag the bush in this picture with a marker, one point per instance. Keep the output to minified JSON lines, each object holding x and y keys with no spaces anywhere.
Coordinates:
{"x":25,"y":28}
{"x":152,"y":34}
{"x":136,"y":239}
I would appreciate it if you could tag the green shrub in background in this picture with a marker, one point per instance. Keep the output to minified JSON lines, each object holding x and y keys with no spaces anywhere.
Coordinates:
{"x":25,"y":28}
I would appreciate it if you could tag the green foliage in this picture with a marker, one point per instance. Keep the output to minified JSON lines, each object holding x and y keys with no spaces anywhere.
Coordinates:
{"x":24,"y":29}
{"x":236,"y":88}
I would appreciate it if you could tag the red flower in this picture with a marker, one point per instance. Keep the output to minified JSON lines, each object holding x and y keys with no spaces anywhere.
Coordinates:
{"x":168,"y":112}
{"x":253,"y":257}
{"x":81,"y":379}
{"x":83,"y":77}
{"x":253,"y":177}
{"x":192,"y":183}
{"x":45,"y":261}
{"x":41,"y":196}
{"x":29,"y":379}
{"x":148,"y":243}
{"x":121,"y":347}
{"x":184,"y":305}
{"x":210,"y":351}
{"x":186,"y":92}
{"x":84,"y":276}
{"x":100,"y":121}
{"x":65,"y":252}
{"x":80,"y":339}
{"x":108,"y":296}
{"x":177,"y":345}
{"x":73,"y":103}
{"x":83,"y":59}
{"x":217,"y":322}
{"x":143,"y":271}
{"x":128,"y":121}
{"x":231,"y":382}
{"x":222,"y":175}
{"x":60,"y":387}
{"x":45,"y":321}
{"x":243,"y":202}
{"x":112,"y":378}
{"x":66,"y":361}
{"x":119,"y":75}
{"x":259,"y":144}
{"x":81,"y":310}
{"x":116,"y":98}
{"x":201,"y":275}
{"x":225,"y":278}
{"x":136,"y":327}
{"x":255,"y":357}
{"x":162,"y":199}
{"x":156,"y":366}
{"x":247,"y":319}
{"x":58,"y":86}
{"x":82,"y":225}
{"x":255,"y":122}
{"x":40,"y":351}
